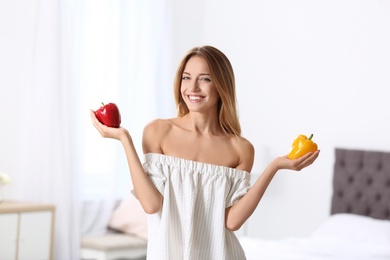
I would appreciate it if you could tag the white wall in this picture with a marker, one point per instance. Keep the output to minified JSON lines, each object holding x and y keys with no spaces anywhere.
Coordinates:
{"x":302,"y":67}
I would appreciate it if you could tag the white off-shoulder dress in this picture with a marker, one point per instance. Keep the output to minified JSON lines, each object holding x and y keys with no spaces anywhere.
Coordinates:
{"x":191,"y":224}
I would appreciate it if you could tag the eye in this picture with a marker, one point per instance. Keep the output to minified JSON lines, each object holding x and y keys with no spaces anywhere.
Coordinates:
{"x":205,"y":79}
{"x":184,"y":77}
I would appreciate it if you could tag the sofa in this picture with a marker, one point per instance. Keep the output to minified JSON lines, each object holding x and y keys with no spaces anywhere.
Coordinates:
{"x":112,"y":230}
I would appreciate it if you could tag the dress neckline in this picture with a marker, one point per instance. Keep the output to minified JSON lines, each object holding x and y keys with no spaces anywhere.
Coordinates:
{"x":175,"y":158}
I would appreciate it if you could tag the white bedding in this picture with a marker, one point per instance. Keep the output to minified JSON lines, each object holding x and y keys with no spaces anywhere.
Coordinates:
{"x":341,"y":237}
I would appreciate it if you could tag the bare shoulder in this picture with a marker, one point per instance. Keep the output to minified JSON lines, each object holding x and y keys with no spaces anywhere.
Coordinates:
{"x":154,"y":133}
{"x":159,"y":125}
{"x":246,"y":153}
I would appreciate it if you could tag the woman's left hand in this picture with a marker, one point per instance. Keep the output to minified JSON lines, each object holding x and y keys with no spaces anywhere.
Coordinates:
{"x":296,"y":164}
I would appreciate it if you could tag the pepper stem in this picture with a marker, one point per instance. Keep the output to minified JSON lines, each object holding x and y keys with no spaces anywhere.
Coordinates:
{"x":102,"y":104}
{"x":310,"y":137}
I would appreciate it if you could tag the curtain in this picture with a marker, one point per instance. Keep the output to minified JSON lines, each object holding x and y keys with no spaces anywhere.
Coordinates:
{"x":58,"y":60}
{"x":124,"y":57}
{"x":36,"y":113}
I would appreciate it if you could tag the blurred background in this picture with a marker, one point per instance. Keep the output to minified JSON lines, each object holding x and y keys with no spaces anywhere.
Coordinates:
{"x":301,"y":67}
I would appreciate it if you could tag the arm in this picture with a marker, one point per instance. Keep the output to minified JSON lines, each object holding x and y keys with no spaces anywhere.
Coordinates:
{"x":236,"y":215}
{"x":149,"y":197}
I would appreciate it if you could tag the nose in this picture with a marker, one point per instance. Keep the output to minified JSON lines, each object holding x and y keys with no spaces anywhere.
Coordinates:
{"x":195,"y":85}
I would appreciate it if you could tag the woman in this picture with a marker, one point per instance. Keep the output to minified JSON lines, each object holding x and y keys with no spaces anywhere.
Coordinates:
{"x":194,"y":183}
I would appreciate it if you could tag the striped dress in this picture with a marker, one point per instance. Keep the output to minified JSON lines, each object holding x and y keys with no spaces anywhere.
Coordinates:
{"x":191,"y":224}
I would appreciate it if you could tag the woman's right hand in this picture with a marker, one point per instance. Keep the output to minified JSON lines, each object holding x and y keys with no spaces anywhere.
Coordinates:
{"x":108,"y":132}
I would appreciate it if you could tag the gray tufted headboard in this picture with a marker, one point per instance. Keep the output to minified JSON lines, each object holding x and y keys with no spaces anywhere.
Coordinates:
{"x":361,"y":183}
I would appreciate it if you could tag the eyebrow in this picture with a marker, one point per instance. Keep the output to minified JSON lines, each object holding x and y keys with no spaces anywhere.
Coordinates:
{"x":201,"y":74}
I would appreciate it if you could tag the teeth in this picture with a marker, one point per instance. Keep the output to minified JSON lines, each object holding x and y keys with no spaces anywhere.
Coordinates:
{"x":194,"y":97}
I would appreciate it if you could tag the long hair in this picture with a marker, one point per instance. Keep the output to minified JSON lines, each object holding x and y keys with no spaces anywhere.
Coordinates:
{"x":221,"y":73}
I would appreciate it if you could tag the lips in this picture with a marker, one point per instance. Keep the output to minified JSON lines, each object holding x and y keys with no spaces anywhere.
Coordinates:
{"x":195,"y":98}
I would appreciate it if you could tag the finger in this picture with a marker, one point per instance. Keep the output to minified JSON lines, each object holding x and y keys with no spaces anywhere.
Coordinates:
{"x":302,"y":159}
{"x":310,"y":159}
{"x":94,"y":119}
{"x":305,"y":161}
{"x":314,"y":155}
{"x":99,"y":126}
{"x":93,"y":116}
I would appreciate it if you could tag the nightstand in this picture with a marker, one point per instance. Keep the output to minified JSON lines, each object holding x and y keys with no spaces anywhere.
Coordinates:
{"x":27,"y":230}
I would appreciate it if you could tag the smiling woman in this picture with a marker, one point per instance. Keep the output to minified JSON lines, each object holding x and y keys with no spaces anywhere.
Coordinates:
{"x":194,"y":182}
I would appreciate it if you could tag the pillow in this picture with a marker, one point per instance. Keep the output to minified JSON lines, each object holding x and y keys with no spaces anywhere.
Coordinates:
{"x":355,"y":228}
{"x":130,"y":218}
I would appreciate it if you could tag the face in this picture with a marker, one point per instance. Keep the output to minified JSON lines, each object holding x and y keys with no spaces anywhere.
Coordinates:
{"x":197,"y":88}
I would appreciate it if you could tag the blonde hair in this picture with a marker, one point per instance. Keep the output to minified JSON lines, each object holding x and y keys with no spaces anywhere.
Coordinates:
{"x":221,"y":72}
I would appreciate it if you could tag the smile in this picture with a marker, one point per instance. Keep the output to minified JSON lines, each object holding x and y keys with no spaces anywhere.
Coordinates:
{"x":195,"y":98}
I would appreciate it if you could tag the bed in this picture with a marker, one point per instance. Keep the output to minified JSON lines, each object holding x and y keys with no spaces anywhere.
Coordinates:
{"x":358,"y":227}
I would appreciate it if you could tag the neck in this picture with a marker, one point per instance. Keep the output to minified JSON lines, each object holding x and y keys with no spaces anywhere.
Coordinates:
{"x":202,"y":123}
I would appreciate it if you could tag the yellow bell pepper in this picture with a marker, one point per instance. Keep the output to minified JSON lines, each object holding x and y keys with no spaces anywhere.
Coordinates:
{"x":301,"y":146}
